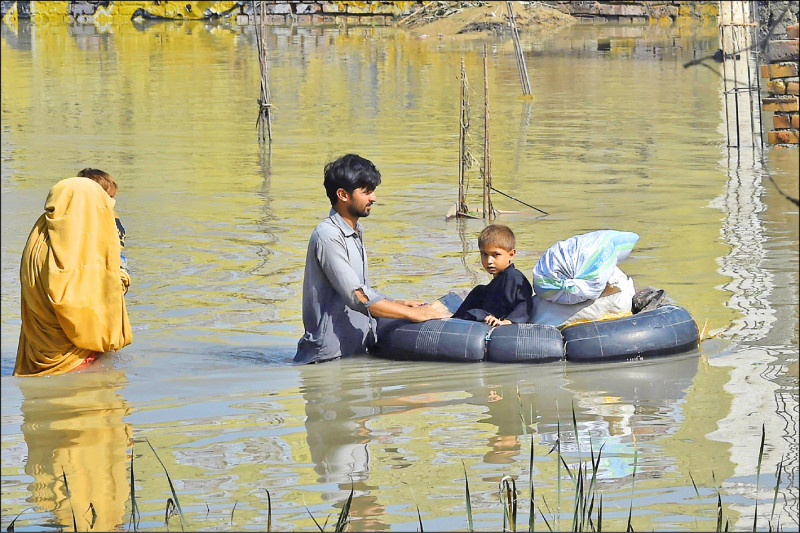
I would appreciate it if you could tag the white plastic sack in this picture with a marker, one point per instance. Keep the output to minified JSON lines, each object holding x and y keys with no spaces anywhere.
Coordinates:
{"x":577,"y":269}
{"x":611,"y":306}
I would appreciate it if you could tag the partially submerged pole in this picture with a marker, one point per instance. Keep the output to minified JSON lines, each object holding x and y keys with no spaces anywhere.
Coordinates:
{"x":736,"y":48}
{"x":462,"y":142}
{"x":522,"y":67}
{"x":488,"y":209}
{"x":264,"y":122}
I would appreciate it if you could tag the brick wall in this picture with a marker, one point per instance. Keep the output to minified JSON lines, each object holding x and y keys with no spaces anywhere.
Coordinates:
{"x":641,"y":12}
{"x":241,"y":11}
{"x":781,"y":70}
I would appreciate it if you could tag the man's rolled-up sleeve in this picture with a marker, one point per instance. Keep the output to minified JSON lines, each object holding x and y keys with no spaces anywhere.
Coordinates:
{"x":331,"y":254}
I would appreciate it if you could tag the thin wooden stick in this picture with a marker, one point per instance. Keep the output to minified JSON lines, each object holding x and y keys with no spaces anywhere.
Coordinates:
{"x":462,"y":204}
{"x":264,"y":105}
{"x":520,"y":57}
{"x":520,"y":201}
{"x":488,"y":209}
{"x":402,"y":20}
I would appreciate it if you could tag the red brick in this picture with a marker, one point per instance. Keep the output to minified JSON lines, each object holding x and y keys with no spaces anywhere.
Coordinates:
{"x":784,"y":122}
{"x":783,"y":137}
{"x":780,"y":104}
{"x":783,"y":50}
{"x":793,"y":31}
{"x":783,"y":70}
{"x":780,"y":86}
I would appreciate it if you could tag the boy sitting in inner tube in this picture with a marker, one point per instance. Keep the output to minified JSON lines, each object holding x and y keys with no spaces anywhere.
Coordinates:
{"x":507,"y":299}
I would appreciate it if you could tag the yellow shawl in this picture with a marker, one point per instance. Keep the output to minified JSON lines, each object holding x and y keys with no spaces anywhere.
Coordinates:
{"x":72,"y":292}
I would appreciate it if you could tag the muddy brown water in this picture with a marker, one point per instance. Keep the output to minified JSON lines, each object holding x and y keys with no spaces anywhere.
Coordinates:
{"x":618,"y":135}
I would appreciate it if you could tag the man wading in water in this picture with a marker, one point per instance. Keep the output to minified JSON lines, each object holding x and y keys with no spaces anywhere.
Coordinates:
{"x":339,"y":306}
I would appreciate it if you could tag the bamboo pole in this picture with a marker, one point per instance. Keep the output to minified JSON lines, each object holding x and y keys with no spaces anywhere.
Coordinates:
{"x":264,"y":121}
{"x":488,"y":209}
{"x":462,"y":140}
{"x":522,"y":67}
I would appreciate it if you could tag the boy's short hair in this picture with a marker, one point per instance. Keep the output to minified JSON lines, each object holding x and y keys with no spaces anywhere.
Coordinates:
{"x":497,"y":235}
{"x":104,"y":179}
{"x":350,"y":172}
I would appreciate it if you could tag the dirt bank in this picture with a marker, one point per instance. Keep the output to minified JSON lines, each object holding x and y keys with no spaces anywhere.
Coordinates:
{"x":470,"y":19}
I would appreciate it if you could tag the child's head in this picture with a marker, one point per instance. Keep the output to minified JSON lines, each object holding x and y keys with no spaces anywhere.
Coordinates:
{"x":102,"y":178}
{"x":496,"y":243}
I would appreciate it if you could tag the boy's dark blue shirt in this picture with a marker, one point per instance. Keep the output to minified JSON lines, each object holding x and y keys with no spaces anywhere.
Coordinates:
{"x":509,"y":296}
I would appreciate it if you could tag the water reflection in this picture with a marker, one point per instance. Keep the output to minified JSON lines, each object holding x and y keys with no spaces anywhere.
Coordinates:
{"x":367,"y":421}
{"x":74,"y":427}
{"x":338,"y":406}
{"x":17,"y":36}
{"x":218,"y":228}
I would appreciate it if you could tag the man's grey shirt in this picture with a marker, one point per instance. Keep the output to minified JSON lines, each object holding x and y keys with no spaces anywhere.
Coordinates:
{"x":337,"y":323}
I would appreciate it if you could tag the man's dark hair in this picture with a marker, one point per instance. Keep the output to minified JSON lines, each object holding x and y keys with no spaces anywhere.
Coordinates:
{"x":350,"y":172}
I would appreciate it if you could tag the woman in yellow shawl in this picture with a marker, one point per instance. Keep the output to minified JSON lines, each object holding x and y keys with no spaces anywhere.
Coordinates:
{"x":73,"y":304}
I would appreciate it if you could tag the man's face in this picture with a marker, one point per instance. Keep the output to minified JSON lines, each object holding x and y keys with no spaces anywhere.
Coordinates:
{"x":495,"y":260}
{"x":359,"y":203}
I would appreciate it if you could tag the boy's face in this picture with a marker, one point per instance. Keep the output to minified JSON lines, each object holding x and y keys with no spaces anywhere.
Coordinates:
{"x":495,"y":260}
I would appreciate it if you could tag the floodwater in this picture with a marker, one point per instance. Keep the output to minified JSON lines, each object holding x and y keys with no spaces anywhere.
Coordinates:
{"x":618,"y":135}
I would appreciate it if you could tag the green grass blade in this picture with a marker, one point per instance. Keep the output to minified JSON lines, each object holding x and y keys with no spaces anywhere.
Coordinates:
{"x":94,"y":515}
{"x":344,"y":516}
{"x":566,"y":467}
{"x":69,"y":499}
{"x":522,"y":416}
{"x":233,"y":510}
{"x":584,"y":495}
{"x":595,"y":467}
{"x":469,"y":505}
{"x":719,"y":512}
{"x":557,"y":521}
{"x":575,"y":428}
{"x":10,"y":527}
{"x":633,"y":480}
{"x":176,"y":502}
{"x":758,"y":474}
{"x":414,"y":498}
{"x":169,"y":511}
{"x":577,"y":501}
{"x":546,"y":523}
{"x":600,"y":515}
{"x":134,"y":506}
{"x":544,"y":501}
{"x":312,"y":517}
{"x":508,"y":497}
{"x":269,"y":511}
{"x":777,"y":485}
{"x":699,"y":500}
